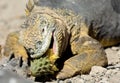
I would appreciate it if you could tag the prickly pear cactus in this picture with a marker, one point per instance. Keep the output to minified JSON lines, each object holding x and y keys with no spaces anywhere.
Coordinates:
{"x":42,"y":66}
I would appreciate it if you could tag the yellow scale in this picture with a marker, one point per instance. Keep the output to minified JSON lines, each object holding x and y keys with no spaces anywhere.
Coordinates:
{"x":52,"y":57}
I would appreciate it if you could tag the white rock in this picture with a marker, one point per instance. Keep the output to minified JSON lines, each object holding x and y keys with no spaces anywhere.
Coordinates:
{"x":104,"y":80}
{"x":108,"y":73}
{"x":115,"y":48}
{"x":79,"y":81}
{"x":97,"y":70}
{"x":118,"y":53}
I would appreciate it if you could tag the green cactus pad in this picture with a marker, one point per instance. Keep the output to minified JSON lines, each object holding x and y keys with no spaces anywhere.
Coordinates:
{"x":42,"y":66}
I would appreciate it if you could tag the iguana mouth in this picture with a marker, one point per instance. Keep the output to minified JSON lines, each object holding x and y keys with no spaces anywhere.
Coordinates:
{"x":46,"y":57}
{"x":49,"y":42}
{"x":53,"y":44}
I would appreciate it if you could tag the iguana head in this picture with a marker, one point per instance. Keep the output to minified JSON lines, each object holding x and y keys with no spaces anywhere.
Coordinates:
{"x":44,"y":35}
{"x":43,"y":30}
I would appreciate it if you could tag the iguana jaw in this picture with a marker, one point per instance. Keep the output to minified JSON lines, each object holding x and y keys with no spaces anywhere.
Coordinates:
{"x":49,"y":42}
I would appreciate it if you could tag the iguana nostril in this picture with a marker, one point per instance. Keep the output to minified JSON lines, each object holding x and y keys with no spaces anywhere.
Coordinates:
{"x":38,"y":44}
{"x":31,"y":51}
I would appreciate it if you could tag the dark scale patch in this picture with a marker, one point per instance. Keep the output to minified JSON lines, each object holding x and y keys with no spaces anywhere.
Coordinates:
{"x":76,"y":39}
{"x":51,"y":44}
{"x":65,"y":55}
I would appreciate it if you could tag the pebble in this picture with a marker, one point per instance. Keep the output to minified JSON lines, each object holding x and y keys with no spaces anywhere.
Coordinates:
{"x":108,"y":73}
{"x":118,"y":53}
{"x":104,"y":81}
{"x":79,"y":81}
{"x":97,"y":70}
{"x":115,"y":48}
{"x":68,"y":81}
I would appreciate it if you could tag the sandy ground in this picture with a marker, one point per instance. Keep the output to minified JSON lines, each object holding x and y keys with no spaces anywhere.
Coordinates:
{"x":12,"y":16}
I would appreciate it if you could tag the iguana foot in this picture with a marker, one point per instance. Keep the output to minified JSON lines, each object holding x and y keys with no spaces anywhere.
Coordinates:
{"x":13,"y":49}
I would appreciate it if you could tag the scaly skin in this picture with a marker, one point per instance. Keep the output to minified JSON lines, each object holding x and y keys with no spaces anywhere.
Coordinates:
{"x":51,"y":32}
{"x":14,"y":47}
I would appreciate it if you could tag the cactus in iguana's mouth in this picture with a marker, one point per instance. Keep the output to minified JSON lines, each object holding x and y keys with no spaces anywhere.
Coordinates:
{"x":42,"y":66}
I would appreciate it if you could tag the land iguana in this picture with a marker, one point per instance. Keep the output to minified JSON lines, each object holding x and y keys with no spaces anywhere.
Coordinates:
{"x":52,"y":36}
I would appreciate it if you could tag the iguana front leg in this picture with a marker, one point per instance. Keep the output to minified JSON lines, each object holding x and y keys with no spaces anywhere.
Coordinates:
{"x":13,"y":47}
{"x":87,"y":53}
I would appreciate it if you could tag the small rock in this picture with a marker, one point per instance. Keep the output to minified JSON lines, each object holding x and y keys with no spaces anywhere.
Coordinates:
{"x":68,"y":81}
{"x":115,"y":48}
{"x":112,"y":56}
{"x":88,"y":78}
{"x":115,"y":78}
{"x":79,"y":81}
{"x":118,"y":53}
{"x":108,"y":73}
{"x":104,"y":80}
{"x":60,"y":81}
{"x":97,"y":70}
